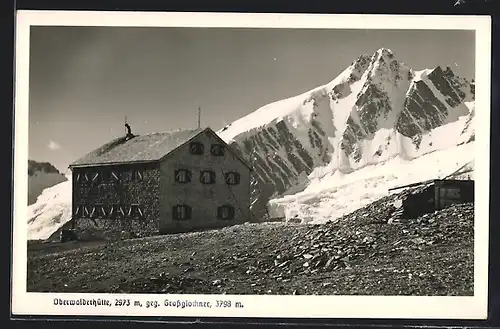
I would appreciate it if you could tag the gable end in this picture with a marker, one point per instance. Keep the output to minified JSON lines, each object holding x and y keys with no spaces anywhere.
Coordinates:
{"x":220,"y":140}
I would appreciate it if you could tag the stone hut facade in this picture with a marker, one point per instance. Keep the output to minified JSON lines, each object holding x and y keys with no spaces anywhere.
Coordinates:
{"x":161,"y":183}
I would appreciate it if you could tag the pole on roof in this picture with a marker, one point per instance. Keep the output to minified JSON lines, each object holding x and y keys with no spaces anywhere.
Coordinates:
{"x":199,"y":117}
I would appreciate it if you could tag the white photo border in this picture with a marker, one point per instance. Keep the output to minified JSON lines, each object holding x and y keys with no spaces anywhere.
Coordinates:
{"x":409,"y":307}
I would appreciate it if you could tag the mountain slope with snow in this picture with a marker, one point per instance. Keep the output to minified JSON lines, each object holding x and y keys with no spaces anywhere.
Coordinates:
{"x":51,"y":210}
{"x":41,"y":175}
{"x":376,"y":109}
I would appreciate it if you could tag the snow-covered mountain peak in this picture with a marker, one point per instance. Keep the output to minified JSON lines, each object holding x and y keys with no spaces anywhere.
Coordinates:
{"x":384,"y":52}
{"x":376,"y":109}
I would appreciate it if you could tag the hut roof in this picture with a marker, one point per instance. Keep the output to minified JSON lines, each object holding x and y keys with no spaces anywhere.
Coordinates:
{"x":140,"y":149}
{"x":145,"y":148}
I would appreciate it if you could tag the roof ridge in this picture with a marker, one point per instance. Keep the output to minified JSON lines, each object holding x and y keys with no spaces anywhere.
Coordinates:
{"x":152,"y":147}
{"x":172,"y":131}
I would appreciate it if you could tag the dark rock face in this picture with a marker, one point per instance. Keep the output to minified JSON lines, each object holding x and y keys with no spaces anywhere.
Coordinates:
{"x":351,"y":136}
{"x":279,"y":159}
{"x":46,"y":167}
{"x":439,"y":79}
{"x":422,"y":110}
{"x":373,"y":103}
{"x":359,"y":67}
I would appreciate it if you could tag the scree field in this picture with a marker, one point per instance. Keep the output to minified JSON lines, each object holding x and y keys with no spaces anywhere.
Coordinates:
{"x":358,"y":254}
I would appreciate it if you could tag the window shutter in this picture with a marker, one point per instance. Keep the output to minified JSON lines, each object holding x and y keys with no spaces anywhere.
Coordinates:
{"x":181,"y":212}
{"x":182,"y":176}
{"x":232,"y":178}
{"x":225,"y":212}
{"x":217,"y":150}
{"x":196,"y":148}
{"x":207,"y":177}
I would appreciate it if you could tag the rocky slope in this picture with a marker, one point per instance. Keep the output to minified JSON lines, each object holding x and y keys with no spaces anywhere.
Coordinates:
{"x":376,"y":109}
{"x":41,"y":175}
{"x":364,"y":252}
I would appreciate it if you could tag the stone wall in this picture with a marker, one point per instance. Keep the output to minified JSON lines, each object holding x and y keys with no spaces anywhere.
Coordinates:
{"x":117,"y":198}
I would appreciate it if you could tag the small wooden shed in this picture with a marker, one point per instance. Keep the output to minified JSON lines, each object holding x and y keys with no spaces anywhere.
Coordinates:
{"x":431,"y":195}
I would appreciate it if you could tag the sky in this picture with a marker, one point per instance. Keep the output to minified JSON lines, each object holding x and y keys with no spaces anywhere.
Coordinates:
{"x":84,"y":81}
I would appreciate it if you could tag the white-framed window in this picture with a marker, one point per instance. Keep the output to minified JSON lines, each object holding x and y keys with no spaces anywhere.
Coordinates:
{"x":83,"y":177}
{"x":136,"y":211}
{"x":102,"y":212}
{"x":77,"y":212}
{"x":112,"y":211}
{"x":181,"y":212}
{"x":232,"y":178}
{"x":121,"y":211}
{"x":207,"y":177}
{"x":85,"y":212}
{"x":137,"y":175}
{"x":96,"y":177}
{"x":133,"y":211}
{"x":114,"y":176}
{"x":93,"y":212}
{"x":182,"y":176}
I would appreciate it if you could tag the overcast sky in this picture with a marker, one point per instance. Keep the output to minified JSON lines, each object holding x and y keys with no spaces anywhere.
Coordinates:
{"x":85,"y":80}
